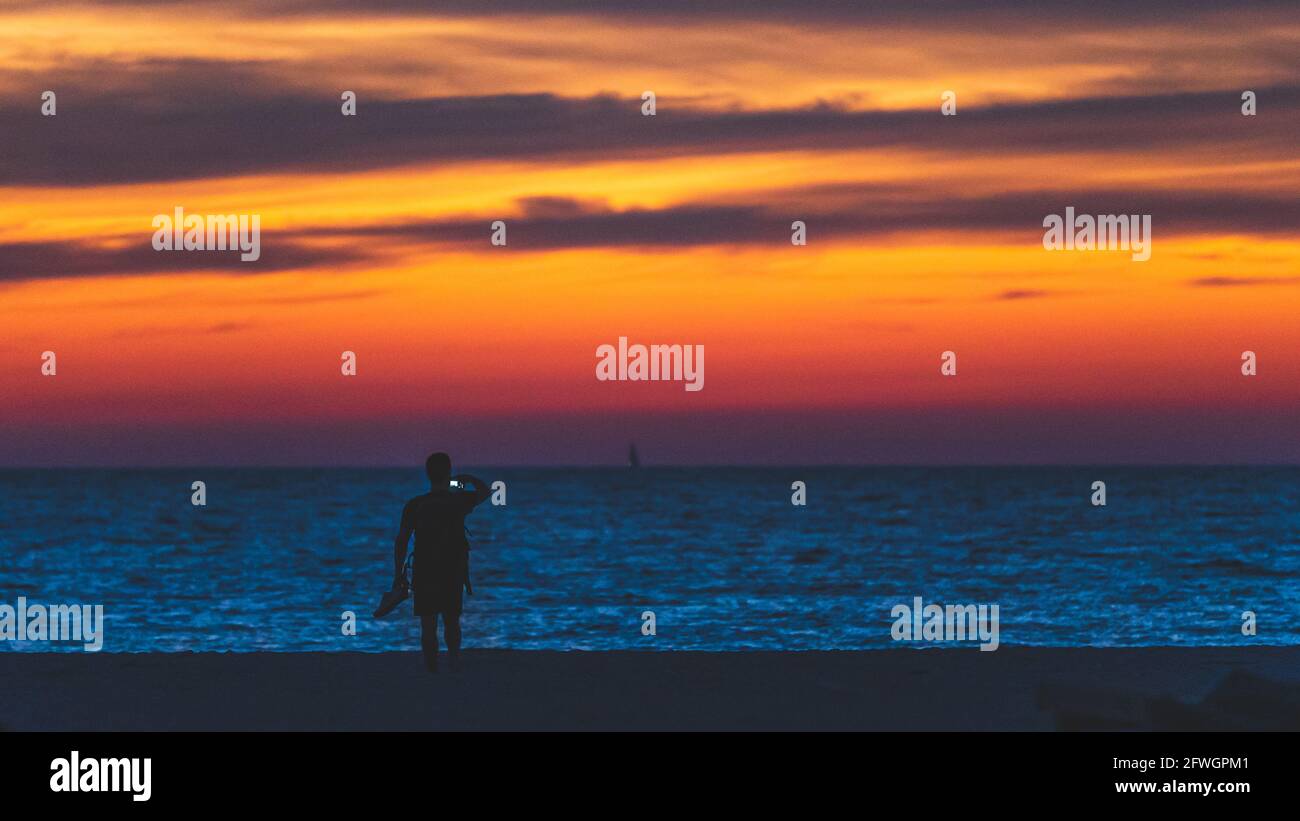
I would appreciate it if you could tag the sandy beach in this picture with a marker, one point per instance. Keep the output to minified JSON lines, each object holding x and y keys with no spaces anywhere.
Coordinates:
{"x":948,"y":689}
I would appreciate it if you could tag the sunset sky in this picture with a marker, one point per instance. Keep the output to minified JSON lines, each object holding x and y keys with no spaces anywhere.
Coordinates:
{"x":924,"y":231}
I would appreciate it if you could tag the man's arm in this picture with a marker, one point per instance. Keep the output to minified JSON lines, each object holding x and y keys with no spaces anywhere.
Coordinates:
{"x":481,"y":488}
{"x":399,"y":552}
{"x":399,"y":547}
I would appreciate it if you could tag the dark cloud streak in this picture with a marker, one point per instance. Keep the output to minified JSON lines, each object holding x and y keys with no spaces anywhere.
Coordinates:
{"x":865,"y":213}
{"x":50,"y":260}
{"x":122,"y":136}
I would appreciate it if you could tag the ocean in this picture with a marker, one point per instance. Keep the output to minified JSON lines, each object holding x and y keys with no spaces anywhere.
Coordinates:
{"x":720,"y":556}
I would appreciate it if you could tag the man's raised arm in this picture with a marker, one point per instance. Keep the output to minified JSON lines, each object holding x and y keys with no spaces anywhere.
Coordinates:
{"x":481,"y":488}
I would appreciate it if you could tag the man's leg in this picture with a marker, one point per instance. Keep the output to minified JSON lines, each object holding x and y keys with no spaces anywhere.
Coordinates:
{"x":429,"y":641}
{"x":451,"y":630}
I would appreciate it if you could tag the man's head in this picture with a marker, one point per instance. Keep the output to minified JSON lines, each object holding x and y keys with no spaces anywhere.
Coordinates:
{"x":438,"y":468}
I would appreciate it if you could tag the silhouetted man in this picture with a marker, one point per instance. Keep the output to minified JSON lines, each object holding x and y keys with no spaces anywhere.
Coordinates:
{"x":441,"y":567}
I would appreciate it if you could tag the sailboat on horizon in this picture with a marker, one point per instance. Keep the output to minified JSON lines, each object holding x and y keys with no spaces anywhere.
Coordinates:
{"x":633,"y":461}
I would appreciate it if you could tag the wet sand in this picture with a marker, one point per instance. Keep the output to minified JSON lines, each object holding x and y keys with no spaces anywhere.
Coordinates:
{"x":904,"y":689}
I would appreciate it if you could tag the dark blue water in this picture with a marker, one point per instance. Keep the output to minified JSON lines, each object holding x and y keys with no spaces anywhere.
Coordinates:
{"x":720,"y":555}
